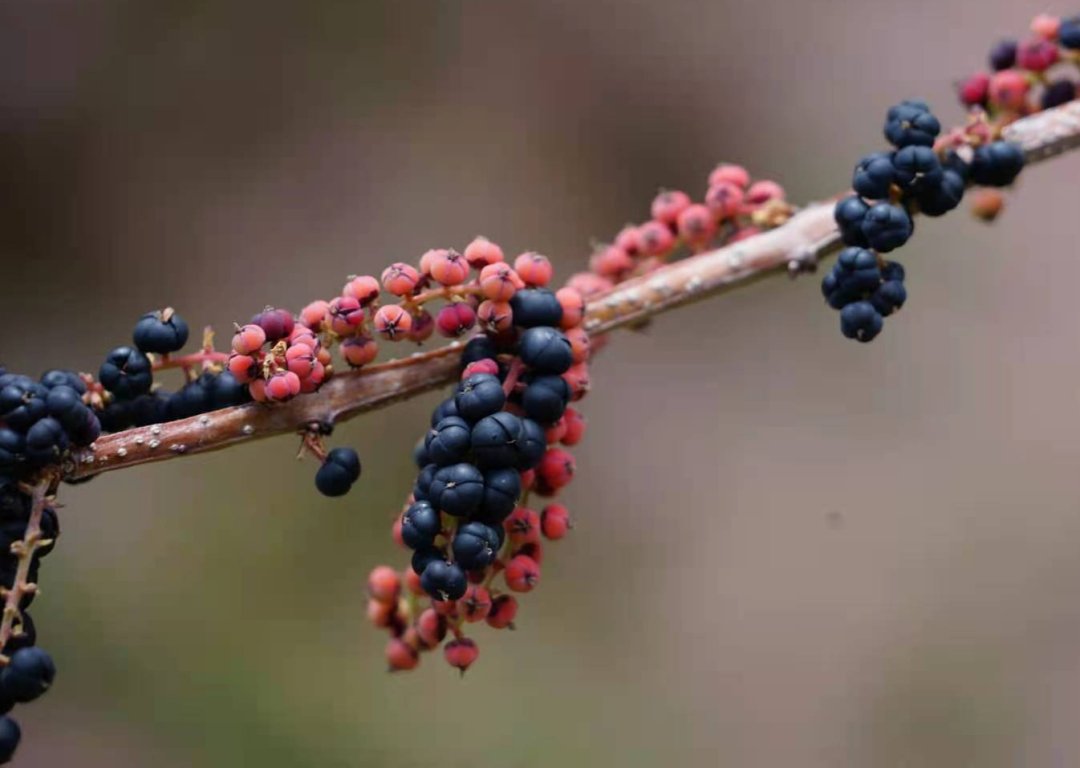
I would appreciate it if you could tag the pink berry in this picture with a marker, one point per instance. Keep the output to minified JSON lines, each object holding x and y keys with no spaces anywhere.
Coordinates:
{"x":384,"y":584}
{"x":724,"y":199}
{"x":534,"y":268}
{"x":401,"y":656}
{"x":612,"y":262}
{"x":359,"y":350}
{"x":430,"y":628}
{"x":455,"y":319}
{"x":423,"y":326}
{"x":257,"y":389}
{"x":277,"y":323}
{"x":578,"y":379}
{"x":380,"y":615}
{"x":476,"y":604}
{"x":400,"y":279}
{"x":975,"y":90}
{"x":481,"y":252}
{"x":495,"y":316}
{"x":732,"y":174}
{"x":555,"y":432}
{"x":1046,"y":26}
{"x":555,"y":521}
{"x":579,"y":344}
{"x":392,"y":322}
{"x":412,"y":582}
{"x":573,"y":307}
{"x":314,"y":314}
{"x":449,"y":268}
{"x":243,"y":368}
{"x":314,"y":380}
{"x":303,"y":335}
{"x":629,"y":239}
{"x":461,"y":653}
{"x":487,"y":365}
{"x":575,"y":427}
{"x":697,"y":225}
{"x":363,"y":288}
{"x":522,"y":574}
{"x":248,"y":340}
{"x":346,"y":315}
{"x":282,"y":385}
{"x":1008,"y":89}
{"x":522,"y":526}
{"x":656,"y":239}
{"x":761,"y":192}
{"x":667,"y":205}
{"x":499,"y":282}
{"x":1036,"y":55}
{"x":589,"y":284}
{"x":300,"y":359}
{"x":503,"y":611}
{"x":556,"y":468}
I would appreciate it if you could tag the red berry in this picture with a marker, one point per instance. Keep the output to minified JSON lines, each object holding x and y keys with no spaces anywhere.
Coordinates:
{"x":629,"y":239}
{"x":612,"y":262}
{"x":1008,"y":89}
{"x":447,"y":608}
{"x":380,"y":614}
{"x":534,"y":268}
{"x":589,"y":283}
{"x":401,"y":656}
{"x":502,"y":613}
{"x":346,"y":315}
{"x":363,"y":288}
{"x":283,"y":385}
{"x":528,"y":477}
{"x":734,"y":174}
{"x":579,"y":344}
{"x":761,"y":192}
{"x":656,"y":239}
{"x":315,"y":379}
{"x":667,"y":205}
{"x":697,"y":225}
{"x":423,"y":326}
{"x":384,"y":584}
{"x":412,"y":582}
{"x":461,"y":653}
{"x":987,"y":203}
{"x":573,"y":307}
{"x":522,"y":574}
{"x":487,"y":365}
{"x":556,"y":468}
{"x":257,"y":389}
{"x":449,"y":267}
{"x":359,"y":350}
{"x":391,"y":321}
{"x":1036,"y":55}
{"x":248,"y":340}
{"x":277,"y":323}
{"x":575,"y":427}
{"x":495,"y":316}
{"x":724,"y":199}
{"x":243,"y":368}
{"x":522,"y":526}
{"x":555,"y":521}
{"x":455,"y":319}
{"x":300,"y":359}
{"x":1046,"y":26}
{"x":481,"y":252}
{"x":303,"y":335}
{"x":532,"y":549}
{"x":395,"y":532}
{"x":431,"y":628}
{"x":578,"y":379}
{"x":476,"y":604}
{"x":499,"y":282}
{"x":556,"y":431}
{"x":975,"y":90}
{"x":400,"y":278}
{"x":314,"y":314}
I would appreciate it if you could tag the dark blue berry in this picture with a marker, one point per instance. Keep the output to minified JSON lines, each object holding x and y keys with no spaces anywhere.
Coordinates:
{"x":940,"y":198}
{"x":873,"y":176}
{"x":476,"y":546}
{"x":1069,"y":33}
{"x":889,"y":297}
{"x":46,"y":441}
{"x":478,"y":348}
{"x":1057,"y":93}
{"x":479,"y":395}
{"x":420,"y":525}
{"x":854,"y":276}
{"x":58,"y":377}
{"x":419,"y":453}
{"x":860,"y":321}
{"x":226,"y":391}
{"x":887,"y":227}
{"x":22,"y":404}
{"x":12,"y":448}
{"x":916,"y":166}
{"x":423,"y":556}
{"x":126,"y":373}
{"x":495,"y":440}
{"x":955,"y":163}
{"x":149,"y":409}
{"x":423,"y":482}
{"x":338,"y":472}
{"x":545,"y":399}
{"x":911,"y":123}
{"x":9,"y":739}
{"x":444,"y":581}
{"x":546,"y":350}
{"x":448,"y":442}
{"x":502,"y":489}
{"x":849,"y":214}
{"x":997,"y":164}
{"x":531,"y":445}
{"x":190,"y":400}
{"x":535,"y":307}
{"x":447,"y":407}
{"x":162,"y":332}
{"x":29,"y":674}
{"x":457,"y":490}
{"x":1003,"y":55}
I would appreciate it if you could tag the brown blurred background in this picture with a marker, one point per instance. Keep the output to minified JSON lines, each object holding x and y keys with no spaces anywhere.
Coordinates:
{"x":791,"y":550}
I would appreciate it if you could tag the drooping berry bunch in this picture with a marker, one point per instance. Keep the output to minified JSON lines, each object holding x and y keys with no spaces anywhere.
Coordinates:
{"x":921,"y":174}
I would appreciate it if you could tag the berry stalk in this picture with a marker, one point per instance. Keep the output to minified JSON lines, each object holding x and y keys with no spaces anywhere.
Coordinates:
{"x":24,"y":550}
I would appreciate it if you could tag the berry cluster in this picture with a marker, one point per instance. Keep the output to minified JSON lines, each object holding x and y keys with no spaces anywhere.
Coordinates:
{"x":494,"y":442}
{"x":920,"y":174}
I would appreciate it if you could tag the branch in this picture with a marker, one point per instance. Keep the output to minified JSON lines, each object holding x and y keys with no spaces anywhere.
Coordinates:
{"x":807,"y":237}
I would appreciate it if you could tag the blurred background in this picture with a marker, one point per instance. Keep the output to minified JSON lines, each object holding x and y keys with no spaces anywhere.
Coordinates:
{"x":790,"y":549}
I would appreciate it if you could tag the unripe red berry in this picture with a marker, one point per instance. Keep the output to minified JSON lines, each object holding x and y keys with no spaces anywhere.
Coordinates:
{"x":346,"y":315}
{"x":395,"y":533}
{"x":392,"y":322}
{"x":522,"y":526}
{"x":573,"y":307}
{"x":423,"y":326}
{"x":455,"y":319}
{"x":534,"y":268}
{"x":667,"y":206}
{"x":257,"y":390}
{"x":696,"y":225}
{"x":629,"y":239}
{"x":612,"y":262}
{"x":578,"y":379}
{"x":1036,"y":55}
{"x":400,"y":278}
{"x":248,"y":340}
{"x":314,"y":314}
{"x":449,"y":267}
{"x":555,"y":521}
{"x":487,"y":365}
{"x":761,"y":192}
{"x":476,"y":604}
{"x":1046,"y":26}
{"x":1008,"y":89}
{"x":359,"y":350}
{"x":987,"y":203}
{"x":734,"y":174}
{"x":461,"y":653}
{"x":589,"y":283}
{"x":300,"y":359}
{"x":503,"y":611}
{"x":447,"y":608}
{"x":244,"y":368}
{"x":495,"y":316}
{"x":314,"y":379}
{"x":522,"y":574}
{"x":481,"y":252}
{"x":724,"y":199}
{"x":556,"y":469}
{"x":656,"y":239}
{"x":975,"y":90}
{"x":363,"y":288}
{"x":533,"y":550}
{"x":431,"y":628}
{"x":303,"y":335}
{"x":556,"y":431}
{"x":580,"y":344}
{"x":384,"y":584}
{"x":528,"y":478}
{"x":282,"y":385}
{"x":277,"y":323}
{"x":499,"y":282}
{"x":380,"y":614}
{"x":401,"y":656}
{"x":412,"y":582}
{"x":575,"y":427}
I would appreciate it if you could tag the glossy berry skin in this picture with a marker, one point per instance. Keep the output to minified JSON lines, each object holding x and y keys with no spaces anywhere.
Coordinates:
{"x":556,"y":469}
{"x":431,"y":627}
{"x":535,"y":307}
{"x":531,"y":444}
{"x":855,"y":275}
{"x":502,"y":489}
{"x":282,"y":386}
{"x":523,"y":526}
{"x":424,"y":556}
{"x":126,"y":373}
{"x":46,"y":441}
{"x":478,"y":348}
{"x":1057,"y":93}
{"x":503,"y":611}
{"x":443,"y":580}
{"x":10,"y":734}
{"x":338,"y":472}
{"x":889,"y":298}
{"x":874,"y":175}
{"x":161,"y":332}
{"x":277,"y":323}
{"x":448,"y":442}
{"x":28,"y":675}
{"x":461,"y":653}
{"x":545,"y":399}
{"x":696,"y":225}
{"x":457,"y":490}
{"x":522,"y":574}
{"x":420,"y":525}
{"x":58,"y":377}
{"x":363,"y":288}
{"x":545,"y":350}
{"x":488,"y":366}
{"x":887,"y":227}
{"x":940,"y":198}
{"x":997,"y":164}
{"x":911,"y":123}
{"x":1003,"y":55}
{"x":479,"y":396}
{"x":724,"y":199}
{"x":358,"y":351}
{"x":1069,"y":33}
{"x":447,"y":407}
{"x":916,"y":166}
{"x":860,"y":321}
{"x":849,"y":214}
{"x":496,"y":441}
{"x":573,"y":307}
{"x":555,"y":521}
{"x":476,"y":545}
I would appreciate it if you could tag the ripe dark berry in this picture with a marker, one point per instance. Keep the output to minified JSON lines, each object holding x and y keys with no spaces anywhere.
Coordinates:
{"x":423,"y":482}
{"x":163,"y":332}
{"x":226,"y":390}
{"x":447,"y":407}
{"x":424,"y":556}
{"x":502,"y":489}
{"x":9,"y":739}
{"x":849,"y":215}
{"x":911,"y":123}
{"x":46,"y":441}
{"x":545,"y":399}
{"x":477,"y":348}
{"x":276,"y":323}
{"x":12,"y":448}
{"x":997,"y":164}
{"x":874,"y":175}
{"x":57,"y":377}
{"x":28,"y":674}
{"x":420,"y":525}
{"x":1003,"y":55}
{"x":522,"y":573}
{"x":854,"y":276}
{"x":495,"y":441}
{"x":889,"y":297}
{"x":860,"y":321}
{"x":457,"y":489}
{"x":461,"y":653}
{"x":887,"y":227}
{"x":545,"y":350}
{"x":448,"y":442}
{"x":443,"y":580}
{"x":1057,"y":93}
{"x":476,"y":546}
{"x":126,"y":373}
{"x":531,"y":444}
{"x":535,"y":307}
{"x":940,"y":198}
{"x":1069,"y":33}
{"x":190,"y":400}
{"x":338,"y":472}
{"x":479,"y":396}
{"x":916,"y":166}
{"x":502,"y":613}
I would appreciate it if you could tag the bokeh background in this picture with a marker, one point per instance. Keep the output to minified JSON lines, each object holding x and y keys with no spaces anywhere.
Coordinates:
{"x":791,"y":550}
